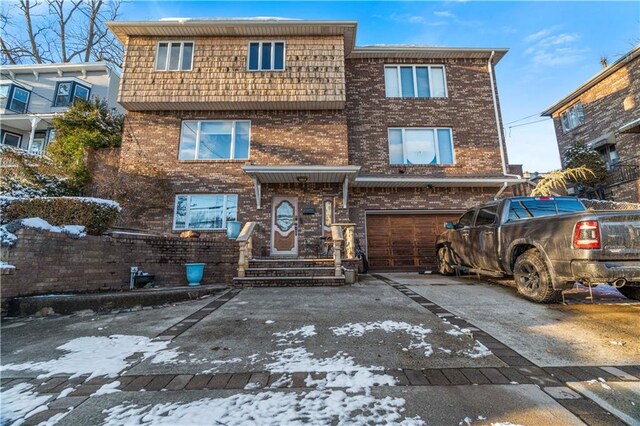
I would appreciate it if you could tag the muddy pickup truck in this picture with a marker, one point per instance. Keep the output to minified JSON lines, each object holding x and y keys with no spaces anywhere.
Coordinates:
{"x":546,"y":244}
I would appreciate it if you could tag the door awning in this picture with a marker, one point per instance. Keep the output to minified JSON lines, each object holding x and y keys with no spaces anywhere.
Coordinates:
{"x":631,"y":127}
{"x":377,"y":181}
{"x":301,"y":174}
{"x":602,"y":140}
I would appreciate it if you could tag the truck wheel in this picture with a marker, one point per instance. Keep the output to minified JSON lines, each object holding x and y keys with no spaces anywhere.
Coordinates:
{"x":533,"y":279}
{"x":630,"y":292}
{"x":443,"y":261}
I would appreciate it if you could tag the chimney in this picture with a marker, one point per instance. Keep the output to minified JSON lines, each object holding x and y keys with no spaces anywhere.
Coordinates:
{"x":603,"y":61}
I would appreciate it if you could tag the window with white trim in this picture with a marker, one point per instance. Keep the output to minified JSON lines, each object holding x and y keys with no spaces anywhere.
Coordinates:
{"x":174,"y":56}
{"x":18,"y":99}
{"x":68,"y":91}
{"x":415,"y":81}
{"x":13,"y":139}
{"x":572,"y":117}
{"x":266,"y":56}
{"x":420,"y":146}
{"x":204,"y":211}
{"x":215,"y":140}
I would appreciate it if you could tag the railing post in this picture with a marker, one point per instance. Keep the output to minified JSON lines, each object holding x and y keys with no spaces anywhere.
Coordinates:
{"x":245,"y":240}
{"x":242,"y":267}
{"x":338,"y":238}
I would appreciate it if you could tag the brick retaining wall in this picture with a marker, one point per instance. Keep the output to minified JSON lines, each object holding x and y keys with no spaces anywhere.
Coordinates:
{"x":55,"y":263}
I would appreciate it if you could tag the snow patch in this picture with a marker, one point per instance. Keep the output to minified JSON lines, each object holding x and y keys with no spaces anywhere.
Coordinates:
{"x":42,"y":225}
{"x":95,"y":356}
{"x":20,"y":402}
{"x":7,"y":239}
{"x":107,"y":389}
{"x":303,"y":332}
{"x":417,"y":332}
{"x":5,"y":265}
{"x":478,"y":351}
{"x":315,"y":407}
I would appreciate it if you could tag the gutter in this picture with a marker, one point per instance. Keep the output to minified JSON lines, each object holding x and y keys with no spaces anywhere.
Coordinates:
{"x":500,"y":140}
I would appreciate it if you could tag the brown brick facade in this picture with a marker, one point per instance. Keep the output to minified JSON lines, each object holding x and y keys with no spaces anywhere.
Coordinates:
{"x":608,"y":105}
{"x":55,"y":263}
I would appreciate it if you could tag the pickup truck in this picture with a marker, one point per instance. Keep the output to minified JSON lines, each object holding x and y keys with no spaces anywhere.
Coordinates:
{"x":547,"y":244}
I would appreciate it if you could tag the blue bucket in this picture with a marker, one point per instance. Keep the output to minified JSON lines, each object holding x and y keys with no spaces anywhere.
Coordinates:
{"x":233,"y":229}
{"x":195,"y":271}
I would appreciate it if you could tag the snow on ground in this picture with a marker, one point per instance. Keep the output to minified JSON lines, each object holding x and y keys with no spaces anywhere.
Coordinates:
{"x":315,"y":407}
{"x":341,"y":370}
{"x":303,"y":332}
{"x":96,"y":356}
{"x":478,"y":351}
{"x":417,"y":332}
{"x":7,"y":239}
{"x":20,"y":402}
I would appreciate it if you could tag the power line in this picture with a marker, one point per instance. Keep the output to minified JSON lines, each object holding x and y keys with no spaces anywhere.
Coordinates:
{"x":531,"y":122}
{"x":524,"y":118}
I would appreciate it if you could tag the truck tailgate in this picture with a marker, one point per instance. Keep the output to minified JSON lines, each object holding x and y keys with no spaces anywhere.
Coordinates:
{"x":620,"y":234}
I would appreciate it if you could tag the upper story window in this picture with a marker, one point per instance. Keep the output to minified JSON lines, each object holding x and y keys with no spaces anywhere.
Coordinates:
{"x":572,"y":117}
{"x":214,"y":140}
{"x":17,"y":98}
{"x":415,"y":81}
{"x":204,"y":211}
{"x":266,"y":56}
{"x":68,"y":91}
{"x":420,"y":146}
{"x":174,"y":56}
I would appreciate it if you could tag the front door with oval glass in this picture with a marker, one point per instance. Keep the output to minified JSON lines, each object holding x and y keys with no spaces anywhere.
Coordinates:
{"x":284,"y":226}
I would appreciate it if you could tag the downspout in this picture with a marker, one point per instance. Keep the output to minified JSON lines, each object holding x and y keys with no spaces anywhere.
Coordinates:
{"x":497,"y":114}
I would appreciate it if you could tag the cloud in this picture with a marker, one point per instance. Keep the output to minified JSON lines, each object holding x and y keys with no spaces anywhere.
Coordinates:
{"x":551,"y":48}
{"x":444,"y":14}
{"x":415,"y":19}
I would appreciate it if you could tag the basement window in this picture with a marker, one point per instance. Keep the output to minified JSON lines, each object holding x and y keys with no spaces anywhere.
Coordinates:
{"x":266,"y":56}
{"x":174,"y":56}
{"x":204,"y":211}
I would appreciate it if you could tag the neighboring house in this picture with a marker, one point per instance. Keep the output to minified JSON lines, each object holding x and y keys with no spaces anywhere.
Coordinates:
{"x":289,"y":124}
{"x":604,"y":114}
{"x":31,"y":95}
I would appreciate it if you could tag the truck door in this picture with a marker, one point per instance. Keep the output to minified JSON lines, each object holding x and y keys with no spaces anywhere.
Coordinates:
{"x":460,"y":244}
{"x":483,"y":237}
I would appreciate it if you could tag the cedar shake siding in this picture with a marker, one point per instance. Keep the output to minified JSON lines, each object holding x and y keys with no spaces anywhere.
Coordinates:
{"x":313,"y":77}
{"x":609,"y":101}
{"x":468,"y":111}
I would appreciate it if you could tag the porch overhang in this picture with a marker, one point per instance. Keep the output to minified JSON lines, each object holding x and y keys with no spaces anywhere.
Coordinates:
{"x":602,"y":140}
{"x":631,"y":127}
{"x":301,"y":174}
{"x":422,"y":181}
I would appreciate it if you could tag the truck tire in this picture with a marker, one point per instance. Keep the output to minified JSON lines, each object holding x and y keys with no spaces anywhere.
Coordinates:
{"x":630,"y":292}
{"x":533,"y":278}
{"x":443,"y":260}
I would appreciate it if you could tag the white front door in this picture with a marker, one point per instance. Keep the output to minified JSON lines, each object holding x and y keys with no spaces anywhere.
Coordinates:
{"x":284,"y":226}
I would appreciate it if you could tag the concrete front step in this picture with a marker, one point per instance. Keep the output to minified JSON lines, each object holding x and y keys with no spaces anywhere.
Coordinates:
{"x":288,"y":281}
{"x":289,"y":262}
{"x":313,"y":271}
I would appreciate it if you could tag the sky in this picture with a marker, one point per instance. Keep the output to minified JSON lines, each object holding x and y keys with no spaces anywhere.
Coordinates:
{"x":554,"y":46}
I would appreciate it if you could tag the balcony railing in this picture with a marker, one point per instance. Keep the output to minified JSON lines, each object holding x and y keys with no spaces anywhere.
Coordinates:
{"x":622,"y":172}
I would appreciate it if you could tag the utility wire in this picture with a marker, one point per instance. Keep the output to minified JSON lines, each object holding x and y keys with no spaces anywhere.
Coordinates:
{"x":524,"y":118}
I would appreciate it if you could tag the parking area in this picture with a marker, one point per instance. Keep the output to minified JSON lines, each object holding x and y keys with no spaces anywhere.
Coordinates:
{"x":395,"y":348}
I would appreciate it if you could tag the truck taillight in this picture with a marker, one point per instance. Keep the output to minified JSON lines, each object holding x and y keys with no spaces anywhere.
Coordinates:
{"x":587,"y":235}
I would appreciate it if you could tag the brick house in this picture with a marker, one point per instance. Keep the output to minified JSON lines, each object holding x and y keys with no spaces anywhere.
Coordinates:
{"x":31,"y":95}
{"x":604,"y":114}
{"x":290,"y":125}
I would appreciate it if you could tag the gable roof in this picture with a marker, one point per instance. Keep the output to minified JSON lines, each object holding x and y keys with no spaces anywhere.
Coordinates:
{"x":606,"y":72}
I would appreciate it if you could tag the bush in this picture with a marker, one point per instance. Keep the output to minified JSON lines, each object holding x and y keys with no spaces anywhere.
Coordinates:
{"x":580,"y":155}
{"x":95,"y":214}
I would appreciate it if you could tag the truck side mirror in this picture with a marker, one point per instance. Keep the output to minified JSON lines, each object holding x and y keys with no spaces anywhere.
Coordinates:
{"x":449,"y":225}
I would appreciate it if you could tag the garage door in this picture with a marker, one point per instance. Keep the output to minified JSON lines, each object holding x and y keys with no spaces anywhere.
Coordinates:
{"x":404,"y":242}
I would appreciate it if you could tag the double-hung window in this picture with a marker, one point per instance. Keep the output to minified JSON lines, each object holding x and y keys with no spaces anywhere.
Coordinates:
{"x":68,"y":92}
{"x":18,"y":99}
{"x":204,"y":211}
{"x":266,"y":56}
{"x":415,"y":81}
{"x":174,"y":56}
{"x":215,"y":140}
{"x":12,"y":139}
{"x":572,"y":117}
{"x":420,"y":146}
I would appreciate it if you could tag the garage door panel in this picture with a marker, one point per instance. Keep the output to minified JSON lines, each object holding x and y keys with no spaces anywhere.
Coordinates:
{"x":404,"y":242}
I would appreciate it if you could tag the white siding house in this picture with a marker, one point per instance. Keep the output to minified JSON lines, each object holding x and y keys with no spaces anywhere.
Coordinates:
{"x":31,"y":95}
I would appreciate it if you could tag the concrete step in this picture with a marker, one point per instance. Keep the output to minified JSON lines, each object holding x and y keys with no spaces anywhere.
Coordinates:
{"x":289,"y":262}
{"x":288,"y":281}
{"x":313,"y":271}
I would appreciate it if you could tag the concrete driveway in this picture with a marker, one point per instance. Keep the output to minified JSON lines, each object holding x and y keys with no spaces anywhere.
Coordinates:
{"x":395,"y":349}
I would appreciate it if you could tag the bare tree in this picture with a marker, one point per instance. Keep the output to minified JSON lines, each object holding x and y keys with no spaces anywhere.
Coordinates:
{"x":45,"y":31}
